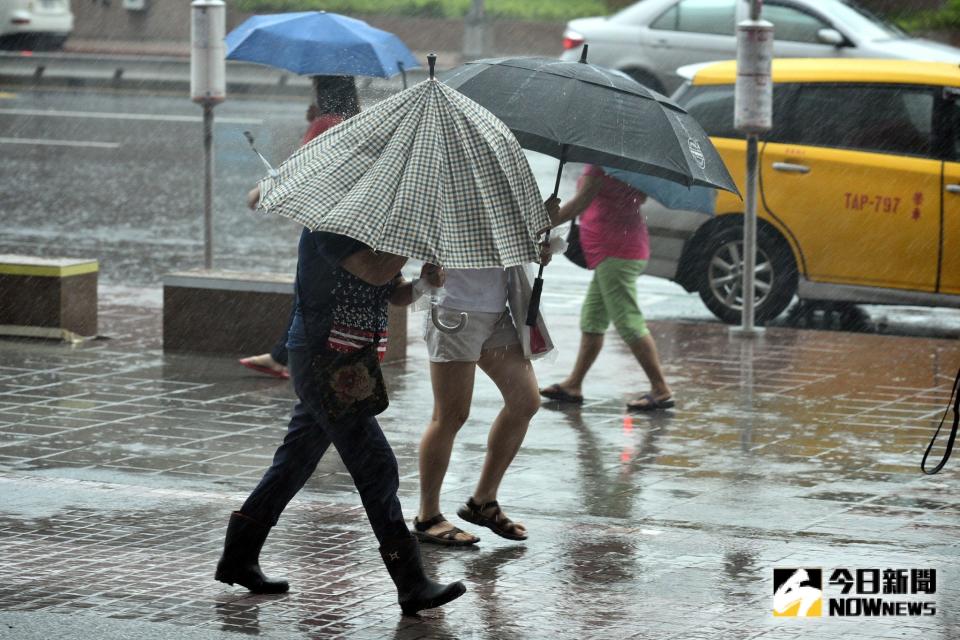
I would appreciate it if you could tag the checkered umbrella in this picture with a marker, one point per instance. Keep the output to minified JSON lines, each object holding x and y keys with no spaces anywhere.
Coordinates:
{"x":428,"y":174}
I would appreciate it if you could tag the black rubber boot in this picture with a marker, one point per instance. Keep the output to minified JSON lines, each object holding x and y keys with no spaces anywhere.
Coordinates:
{"x":240,"y":562}
{"x":415,"y":591}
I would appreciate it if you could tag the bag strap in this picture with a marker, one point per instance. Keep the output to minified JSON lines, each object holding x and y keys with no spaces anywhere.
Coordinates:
{"x":955,"y":401}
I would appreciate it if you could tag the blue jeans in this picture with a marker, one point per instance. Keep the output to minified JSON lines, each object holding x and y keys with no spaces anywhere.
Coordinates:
{"x":362,"y":446}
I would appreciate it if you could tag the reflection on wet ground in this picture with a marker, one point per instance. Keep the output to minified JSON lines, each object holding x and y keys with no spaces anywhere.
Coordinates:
{"x":926,"y":322}
{"x":119,"y":466}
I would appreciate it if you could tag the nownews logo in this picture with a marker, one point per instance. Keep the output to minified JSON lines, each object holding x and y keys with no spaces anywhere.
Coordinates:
{"x":798,"y":593}
{"x":862,"y":592}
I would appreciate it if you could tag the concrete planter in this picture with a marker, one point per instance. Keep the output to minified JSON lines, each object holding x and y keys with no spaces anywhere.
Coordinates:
{"x":48,"y":297}
{"x":237,"y":313}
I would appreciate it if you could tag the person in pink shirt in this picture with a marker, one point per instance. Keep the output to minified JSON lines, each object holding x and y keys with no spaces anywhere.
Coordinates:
{"x":616,"y":246}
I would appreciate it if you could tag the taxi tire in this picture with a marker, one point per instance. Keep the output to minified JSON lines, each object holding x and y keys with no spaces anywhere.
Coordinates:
{"x":772,"y":248}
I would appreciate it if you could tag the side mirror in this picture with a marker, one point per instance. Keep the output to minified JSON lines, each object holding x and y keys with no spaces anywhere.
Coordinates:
{"x":831,"y":37}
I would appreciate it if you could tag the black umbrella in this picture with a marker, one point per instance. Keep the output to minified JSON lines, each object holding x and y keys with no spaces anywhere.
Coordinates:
{"x":579,"y":112}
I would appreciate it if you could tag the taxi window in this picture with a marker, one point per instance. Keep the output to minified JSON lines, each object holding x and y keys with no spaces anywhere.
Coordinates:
{"x":955,"y":124}
{"x":712,"y":106}
{"x":877,"y":118}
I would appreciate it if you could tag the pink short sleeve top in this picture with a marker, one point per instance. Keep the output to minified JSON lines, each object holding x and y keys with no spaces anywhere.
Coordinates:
{"x":611,"y":226}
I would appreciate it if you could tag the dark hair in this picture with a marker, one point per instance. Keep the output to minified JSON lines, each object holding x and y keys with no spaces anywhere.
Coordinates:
{"x":336,"y":94}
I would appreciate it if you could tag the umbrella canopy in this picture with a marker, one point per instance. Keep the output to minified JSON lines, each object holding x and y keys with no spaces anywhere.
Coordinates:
{"x":426,"y":173}
{"x":669,"y":194}
{"x":318,"y":43}
{"x":579,"y":112}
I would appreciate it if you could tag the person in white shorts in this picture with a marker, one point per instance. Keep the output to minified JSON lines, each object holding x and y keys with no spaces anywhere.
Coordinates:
{"x":490,"y":341}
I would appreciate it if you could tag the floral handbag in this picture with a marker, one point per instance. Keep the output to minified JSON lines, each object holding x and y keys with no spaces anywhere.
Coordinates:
{"x":349,"y":385}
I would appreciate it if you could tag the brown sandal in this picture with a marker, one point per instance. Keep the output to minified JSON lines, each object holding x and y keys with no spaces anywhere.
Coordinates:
{"x":447,"y":538}
{"x":498,"y":522}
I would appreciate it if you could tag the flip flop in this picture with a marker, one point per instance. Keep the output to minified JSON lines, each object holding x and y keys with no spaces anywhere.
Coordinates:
{"x":651,"y":404}
{"x":259,"y":368}
{"x":448,"y":538}
{"x":555,"y":392}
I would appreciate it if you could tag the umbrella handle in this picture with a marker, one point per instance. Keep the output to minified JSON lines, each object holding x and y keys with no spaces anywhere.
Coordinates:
{"x":534,"y":308}
{"x":563,"y":161}
{"x":447,"y":328}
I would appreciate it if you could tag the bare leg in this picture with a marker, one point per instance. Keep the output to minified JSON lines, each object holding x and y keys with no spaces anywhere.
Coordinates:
{"x":452,"y":395}
{"x":590,"y":346}
{"x":594,"y":320}
{"x":513,"y":374}
{"x":645,"y":351}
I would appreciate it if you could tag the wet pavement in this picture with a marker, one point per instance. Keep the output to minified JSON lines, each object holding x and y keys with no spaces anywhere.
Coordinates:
{"x":119,"y":466}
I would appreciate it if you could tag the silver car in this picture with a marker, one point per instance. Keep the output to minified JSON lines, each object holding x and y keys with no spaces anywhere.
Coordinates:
{"x":650,"y":39}
{"x":34,"y":24}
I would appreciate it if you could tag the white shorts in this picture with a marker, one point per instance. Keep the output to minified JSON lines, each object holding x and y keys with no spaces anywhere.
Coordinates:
{"x":483,"y":331}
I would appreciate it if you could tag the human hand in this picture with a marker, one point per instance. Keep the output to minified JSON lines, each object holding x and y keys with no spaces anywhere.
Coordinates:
{"x":545,"y":254}
{"x":552,"y":205}
{"x":253,"y":197}
{"x":434,"y":275}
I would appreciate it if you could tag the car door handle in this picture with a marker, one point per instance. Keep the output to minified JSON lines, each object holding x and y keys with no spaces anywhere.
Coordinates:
{"x":953,"y":188}
{"x":789,"y":167}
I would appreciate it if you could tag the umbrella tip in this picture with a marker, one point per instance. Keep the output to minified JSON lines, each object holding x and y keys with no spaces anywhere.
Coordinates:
{"x":583,"y":53}
{"x":432,"y":61}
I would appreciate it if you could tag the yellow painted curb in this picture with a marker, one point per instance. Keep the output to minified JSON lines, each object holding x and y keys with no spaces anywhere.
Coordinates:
{"x":49,"y":271}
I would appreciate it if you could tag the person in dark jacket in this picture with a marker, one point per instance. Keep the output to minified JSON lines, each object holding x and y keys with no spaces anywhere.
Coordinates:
{"x":343,"y":288}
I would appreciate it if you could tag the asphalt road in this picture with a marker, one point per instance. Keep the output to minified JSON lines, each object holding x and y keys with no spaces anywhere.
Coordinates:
{"x":119,"y":176}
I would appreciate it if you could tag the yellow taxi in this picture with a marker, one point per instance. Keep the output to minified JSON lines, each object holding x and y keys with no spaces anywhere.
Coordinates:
{"x":859,"y":188}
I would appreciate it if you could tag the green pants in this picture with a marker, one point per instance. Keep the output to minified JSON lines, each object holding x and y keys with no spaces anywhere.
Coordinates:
{"x":612,"y":296}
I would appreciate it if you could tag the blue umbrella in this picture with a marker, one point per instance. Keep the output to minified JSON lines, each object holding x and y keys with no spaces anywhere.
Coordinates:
{"x":670,"y":194}
{"x":317,"y":43}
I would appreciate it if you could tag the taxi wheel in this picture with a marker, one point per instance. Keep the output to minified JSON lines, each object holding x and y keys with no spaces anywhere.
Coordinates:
{"x":721,"y":284}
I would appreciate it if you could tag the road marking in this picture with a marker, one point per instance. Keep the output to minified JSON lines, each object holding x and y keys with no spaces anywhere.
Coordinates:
{"x":61,"y":143}
{"x":53,"y":113}
{"x":5,"y":95}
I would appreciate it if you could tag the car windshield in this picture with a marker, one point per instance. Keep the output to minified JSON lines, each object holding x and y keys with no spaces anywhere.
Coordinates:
{"x":862,"y":22}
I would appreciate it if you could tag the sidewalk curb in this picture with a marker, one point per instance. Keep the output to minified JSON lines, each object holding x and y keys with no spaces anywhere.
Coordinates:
{"x":162,"y":73}
{"x":178,"y":86}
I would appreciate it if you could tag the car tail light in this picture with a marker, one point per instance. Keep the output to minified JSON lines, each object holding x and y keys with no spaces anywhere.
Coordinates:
{"x":572,"y":39}
{"x":20,"y":21}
